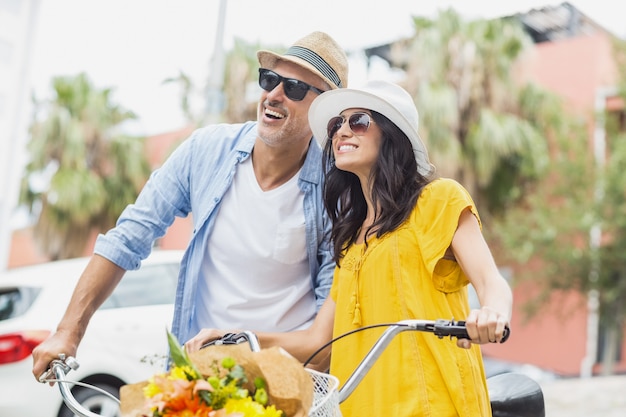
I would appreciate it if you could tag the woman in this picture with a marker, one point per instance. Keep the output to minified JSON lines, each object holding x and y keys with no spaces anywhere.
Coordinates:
{"x":406,"y":246}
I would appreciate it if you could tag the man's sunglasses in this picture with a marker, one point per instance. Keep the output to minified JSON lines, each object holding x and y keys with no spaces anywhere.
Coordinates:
{"x":295,"y":90}
{"x":358,"y":122}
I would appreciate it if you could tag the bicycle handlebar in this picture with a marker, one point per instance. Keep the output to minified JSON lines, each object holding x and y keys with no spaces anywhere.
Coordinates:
{"x":443,"y":328}
{"x":59,"y":369}
{"x":235,"y":339}
{"x":440,"y":328}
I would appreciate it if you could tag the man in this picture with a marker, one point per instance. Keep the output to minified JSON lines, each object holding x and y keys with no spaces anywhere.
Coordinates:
{"x":259,"y":256}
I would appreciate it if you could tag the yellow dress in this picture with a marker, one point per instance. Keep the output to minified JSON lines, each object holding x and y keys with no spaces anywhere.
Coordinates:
{"x":403,"y":276}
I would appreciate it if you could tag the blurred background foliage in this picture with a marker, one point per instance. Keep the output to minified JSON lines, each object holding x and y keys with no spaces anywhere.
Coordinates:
{"x":82,"y":170}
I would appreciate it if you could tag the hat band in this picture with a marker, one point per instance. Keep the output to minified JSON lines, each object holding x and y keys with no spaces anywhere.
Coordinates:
{"x":317,"y":61}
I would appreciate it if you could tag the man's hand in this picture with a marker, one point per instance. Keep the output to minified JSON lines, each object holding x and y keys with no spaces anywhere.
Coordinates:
{"x":205,"y":336}
{"x":49,"y":349}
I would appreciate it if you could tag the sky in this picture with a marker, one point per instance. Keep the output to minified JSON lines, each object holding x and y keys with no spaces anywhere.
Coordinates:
{"x":132,"y":46}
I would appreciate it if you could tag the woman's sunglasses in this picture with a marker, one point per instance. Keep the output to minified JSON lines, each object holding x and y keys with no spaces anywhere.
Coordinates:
{"x":295,"y":90}
{"x":358,"y":122}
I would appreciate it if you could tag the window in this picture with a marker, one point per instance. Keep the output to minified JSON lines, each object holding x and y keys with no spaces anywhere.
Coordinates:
{"x":15,"y":301}
{"x":610,"y":342}
{"x":149,"y":285}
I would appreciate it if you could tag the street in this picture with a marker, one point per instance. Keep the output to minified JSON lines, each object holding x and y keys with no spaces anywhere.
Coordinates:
{"x":586,"y":397}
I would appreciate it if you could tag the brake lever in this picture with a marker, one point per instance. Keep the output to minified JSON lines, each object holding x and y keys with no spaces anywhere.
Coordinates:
{"x":227,"y":339}
{"x":235,"y":339}
{"x":452,"y":328}
{"x":67,"y":363}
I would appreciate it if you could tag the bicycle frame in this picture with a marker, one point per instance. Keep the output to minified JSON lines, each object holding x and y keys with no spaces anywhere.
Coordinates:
{"x":511,"y":395}
{"x":366,"y":364}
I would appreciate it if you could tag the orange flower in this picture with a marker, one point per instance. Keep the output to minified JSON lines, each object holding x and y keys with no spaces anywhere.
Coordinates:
{"x":183,"y":392}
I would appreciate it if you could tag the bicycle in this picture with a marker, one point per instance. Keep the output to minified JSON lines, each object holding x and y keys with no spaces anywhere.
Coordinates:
{"x":511,"y":394}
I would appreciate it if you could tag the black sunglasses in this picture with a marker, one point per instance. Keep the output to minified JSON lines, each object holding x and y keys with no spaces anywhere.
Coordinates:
{"x":295,"y":90}
{"x":358,"y":122}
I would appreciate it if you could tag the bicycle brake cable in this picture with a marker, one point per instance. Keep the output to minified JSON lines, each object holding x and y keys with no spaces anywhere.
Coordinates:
{"x":325,"y":345}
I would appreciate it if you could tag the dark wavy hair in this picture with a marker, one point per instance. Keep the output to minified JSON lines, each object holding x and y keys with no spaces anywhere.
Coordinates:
{"x":396,"y":185}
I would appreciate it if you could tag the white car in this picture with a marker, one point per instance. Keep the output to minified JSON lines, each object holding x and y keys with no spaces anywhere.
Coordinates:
{"x":125,"y":341}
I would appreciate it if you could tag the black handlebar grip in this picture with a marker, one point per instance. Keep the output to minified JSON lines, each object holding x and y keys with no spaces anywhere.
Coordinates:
{"x":505,"y":334}
{"x":457,"y":329}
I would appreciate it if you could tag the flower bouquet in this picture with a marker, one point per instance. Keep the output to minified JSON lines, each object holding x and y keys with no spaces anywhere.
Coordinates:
{"x":222,"y":381}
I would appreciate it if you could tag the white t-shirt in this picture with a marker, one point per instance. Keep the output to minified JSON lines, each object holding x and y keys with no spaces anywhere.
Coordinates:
{"x":255,"y":272}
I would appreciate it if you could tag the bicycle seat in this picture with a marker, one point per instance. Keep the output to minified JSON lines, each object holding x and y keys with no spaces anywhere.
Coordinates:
{"x":515,"y":395}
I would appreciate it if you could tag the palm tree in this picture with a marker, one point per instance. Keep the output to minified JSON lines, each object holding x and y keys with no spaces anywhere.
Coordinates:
{"x":82,"y":171}
{"x":239,"y":79}
{"x":186,"y":85}
{"x":570,"y":233}
{"x":480,"y":126}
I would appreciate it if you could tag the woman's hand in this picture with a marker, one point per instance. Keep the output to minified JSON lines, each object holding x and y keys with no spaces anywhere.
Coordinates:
{"x":484,"y":326}
{"x":203,"y":337}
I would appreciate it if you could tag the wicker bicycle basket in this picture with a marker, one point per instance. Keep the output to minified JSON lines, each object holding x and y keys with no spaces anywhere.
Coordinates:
{"x":325,"y":395}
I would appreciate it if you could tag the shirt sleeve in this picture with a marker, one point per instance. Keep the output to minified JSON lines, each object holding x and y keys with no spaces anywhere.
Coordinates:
{"x":164,"y":197}
{"x":324,"y":278}
{"x":435,"y":220}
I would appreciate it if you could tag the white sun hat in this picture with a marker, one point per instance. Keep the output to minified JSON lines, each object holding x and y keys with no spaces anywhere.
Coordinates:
{"x":388,"y":99}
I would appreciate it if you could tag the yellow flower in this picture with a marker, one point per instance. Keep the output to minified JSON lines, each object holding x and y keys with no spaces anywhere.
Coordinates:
{"x":178,"y":372}
{"x":153,"y":388}
{"x":183,"y":392}
{"x":246,"y":407}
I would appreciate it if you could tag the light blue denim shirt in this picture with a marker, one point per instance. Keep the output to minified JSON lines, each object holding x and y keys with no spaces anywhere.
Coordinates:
{"x":193,"y":180}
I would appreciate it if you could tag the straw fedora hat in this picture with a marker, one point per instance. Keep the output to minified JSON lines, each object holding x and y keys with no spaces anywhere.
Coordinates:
{"x":388,"y":99}
{"x":316,"y":52}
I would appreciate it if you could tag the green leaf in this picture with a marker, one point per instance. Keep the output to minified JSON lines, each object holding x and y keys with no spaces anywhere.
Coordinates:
{"x":178,"y":354}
